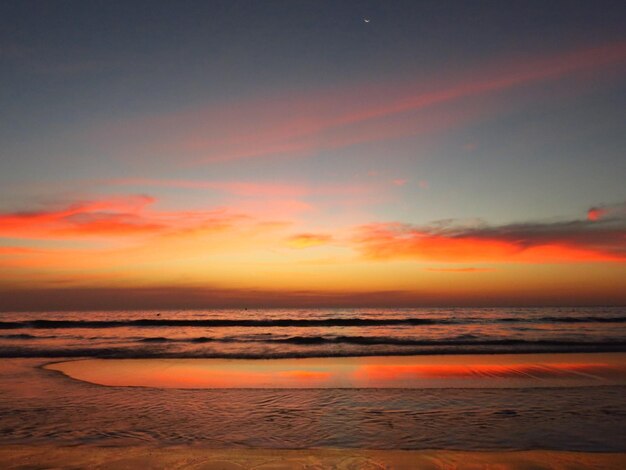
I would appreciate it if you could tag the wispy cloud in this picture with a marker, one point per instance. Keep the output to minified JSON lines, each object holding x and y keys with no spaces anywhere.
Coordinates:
{"x":300,"y":124}
{"x":248,"y":188}
{"x":110,"y":218}
{"x":460,"y":270}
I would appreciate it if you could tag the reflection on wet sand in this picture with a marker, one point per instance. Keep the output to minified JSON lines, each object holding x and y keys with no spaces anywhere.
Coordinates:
{"x":475,"y":371}
{"x":43,"y":406}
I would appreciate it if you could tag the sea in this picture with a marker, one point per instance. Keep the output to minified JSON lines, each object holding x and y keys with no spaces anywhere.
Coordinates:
{"x":290,"y":333}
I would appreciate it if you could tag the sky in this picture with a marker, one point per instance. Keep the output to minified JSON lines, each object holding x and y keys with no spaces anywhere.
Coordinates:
{"x":345,"y":153}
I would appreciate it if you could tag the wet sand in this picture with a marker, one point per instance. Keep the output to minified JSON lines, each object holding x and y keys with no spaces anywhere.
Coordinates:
{"x":45,"y":407}
{"x":146,"y":458}
{"x":50,"y":420}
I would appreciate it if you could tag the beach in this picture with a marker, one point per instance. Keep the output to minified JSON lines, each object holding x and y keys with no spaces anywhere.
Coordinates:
{"x":51,"y":420}
{"x":224,"y":389}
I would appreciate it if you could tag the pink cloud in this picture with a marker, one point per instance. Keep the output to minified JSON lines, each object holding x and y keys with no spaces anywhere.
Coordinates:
{"x":595,"y":213}
{"x":299,"y":124}
{"x":603,"y":212}
{"x":249,"y":188}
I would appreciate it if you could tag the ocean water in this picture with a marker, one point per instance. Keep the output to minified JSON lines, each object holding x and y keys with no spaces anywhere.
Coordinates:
{"x":311,"y":333}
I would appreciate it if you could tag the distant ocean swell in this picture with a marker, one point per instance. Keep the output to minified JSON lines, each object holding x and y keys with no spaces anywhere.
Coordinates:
{"x":311,"y":333}
{"x":464,"y":340}
{"x":287,"y":322}
{"x":311,"y":347}
{"x":367,"y":340}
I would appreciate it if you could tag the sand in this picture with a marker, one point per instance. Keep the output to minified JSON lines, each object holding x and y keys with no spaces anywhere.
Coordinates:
{"x":147,"y":458}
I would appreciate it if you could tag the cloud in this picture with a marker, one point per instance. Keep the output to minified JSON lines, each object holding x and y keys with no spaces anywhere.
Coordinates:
{"x":238,"y":188}
{"x":307,"y":240}
{"x":250,"y":189}
{"x":598,"y":240}
{"x":604,"y":212}
{"x":460,"y":270}
{"x":304,"y":123}
{"x":110,"y":218}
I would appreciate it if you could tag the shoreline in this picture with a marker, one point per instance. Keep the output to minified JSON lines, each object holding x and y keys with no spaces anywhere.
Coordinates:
{"x":13,"y":457}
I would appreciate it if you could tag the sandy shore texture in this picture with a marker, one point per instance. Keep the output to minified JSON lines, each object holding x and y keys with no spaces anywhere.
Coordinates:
{"x":146,"y":458}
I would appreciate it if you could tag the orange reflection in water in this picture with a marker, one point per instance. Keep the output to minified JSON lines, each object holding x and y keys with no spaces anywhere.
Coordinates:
{"x":533,"y":370}
{"x":202,"y":375}
{"x":394,"y":372}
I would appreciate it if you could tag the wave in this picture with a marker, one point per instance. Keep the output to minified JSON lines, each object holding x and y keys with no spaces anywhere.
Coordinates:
{"x":20,"y":336}
{"x":459,"y":341}
{"x":367,"y":348}
{"x":286,"y":322}
{"x":27,"y":336}
{"x":463,"y":340}
{"x":289,"y":322}
{"x":201,"y":339}
{"x":589,"y":319}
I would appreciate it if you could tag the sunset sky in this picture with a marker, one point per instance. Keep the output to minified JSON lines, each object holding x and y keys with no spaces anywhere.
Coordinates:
{"x":264,"y":153}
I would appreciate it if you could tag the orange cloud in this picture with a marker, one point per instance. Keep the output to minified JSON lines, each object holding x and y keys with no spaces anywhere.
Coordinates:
{"x":577,"y":241}
{"x":224,"y":257}
{"x":113,"y":217}
{"x":459,"y":270}
{"x":307,"y":240}
{"x":17,"y":250}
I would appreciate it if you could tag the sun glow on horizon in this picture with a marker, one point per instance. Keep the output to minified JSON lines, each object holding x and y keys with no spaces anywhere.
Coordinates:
{"x":462,"y":182}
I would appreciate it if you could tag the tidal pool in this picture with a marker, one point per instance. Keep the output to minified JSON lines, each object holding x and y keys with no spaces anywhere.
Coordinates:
{"x":463,"y":371}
